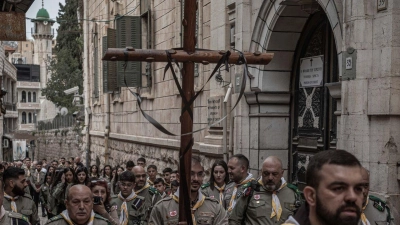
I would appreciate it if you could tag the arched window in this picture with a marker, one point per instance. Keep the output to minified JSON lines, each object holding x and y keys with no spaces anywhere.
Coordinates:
{"x":23,"y":96}
{"x":29,"y":97}
{"x":29,"y":117}
{"x":34,"y":96}
{"x":34,"y":118}
{"x":23,"y":118}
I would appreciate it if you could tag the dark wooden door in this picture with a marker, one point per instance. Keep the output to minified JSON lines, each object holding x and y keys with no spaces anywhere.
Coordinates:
{"x":313,"y":121}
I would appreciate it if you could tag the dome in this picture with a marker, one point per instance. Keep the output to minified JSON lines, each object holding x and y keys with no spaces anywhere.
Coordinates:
{"x":42,"y":14}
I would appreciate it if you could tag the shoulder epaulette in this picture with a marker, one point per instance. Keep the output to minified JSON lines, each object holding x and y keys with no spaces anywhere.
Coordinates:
{"x":381,"y":205}
{"x":55,"y":218}
{"x":297,"y":193}
{"x":206,"y":185}
{"x":153,"y":191}
{"x":18,"y":216}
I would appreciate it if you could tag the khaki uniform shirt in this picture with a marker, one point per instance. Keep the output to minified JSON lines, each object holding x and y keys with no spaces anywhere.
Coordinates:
{"x":229,"y":188}
{"x":208,"y":192}
{"x":137,"y":216}
{"x":44,"y":195}
{"x":37,"y":179}
{"x":12,"y":218}
{"x":166,"y":212}
{"x":26,"y":206}
{"x":257,"y":209}
{"x":151,"y":196}
{"x":59,"y":220}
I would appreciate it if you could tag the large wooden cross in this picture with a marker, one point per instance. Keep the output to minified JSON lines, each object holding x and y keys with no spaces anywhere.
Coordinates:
{"x":188,"y":56}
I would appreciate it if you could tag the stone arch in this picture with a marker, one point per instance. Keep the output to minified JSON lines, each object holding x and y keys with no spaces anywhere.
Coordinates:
{"x":277,"y":30}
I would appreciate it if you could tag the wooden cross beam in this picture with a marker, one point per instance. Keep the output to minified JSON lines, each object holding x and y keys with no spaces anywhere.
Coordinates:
{"x":199,"y":56}
{"x":188,"y":56}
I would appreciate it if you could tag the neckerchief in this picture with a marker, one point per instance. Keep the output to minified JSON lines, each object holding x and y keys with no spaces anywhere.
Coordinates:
{"x":232,"y":202}
{"x":13,"y":203}
{"x":199,"y":203}
{"x":221,"y":192}
{"x":65,"y":215}
{"x":123,"y":218}
{"x":364,"y":219}
{"x":145,"y":186}
{"x":150,"y":182}
{"x":276,"y":204}
{"x":38,"y":177}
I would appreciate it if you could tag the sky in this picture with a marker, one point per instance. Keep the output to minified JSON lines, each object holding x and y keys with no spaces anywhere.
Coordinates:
{"x":52,"y":6}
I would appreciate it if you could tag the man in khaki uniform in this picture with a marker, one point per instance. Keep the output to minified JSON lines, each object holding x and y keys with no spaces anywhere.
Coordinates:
{"x":37,"y":179}
{"x":15,"y":199}
{"x":28,"y":173}
{"x":375,"y":210}
{"x":144,"y":189}
{"x":334,"y":191}
{"x":271,"y":203}
{"x":10,"y":218}
{"x":204,"y":210}
{"x":79,"y":210}
{"x":237,"y":170}
{"x":131,"y":207}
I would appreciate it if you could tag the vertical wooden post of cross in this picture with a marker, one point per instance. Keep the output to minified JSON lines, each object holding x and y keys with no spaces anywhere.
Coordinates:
{"x":185,"y":152}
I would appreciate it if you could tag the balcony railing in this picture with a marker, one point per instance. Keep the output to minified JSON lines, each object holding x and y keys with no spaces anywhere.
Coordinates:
{"x":10,"y":106}
{"x":28,"y":105}
{"x":56,"y":123}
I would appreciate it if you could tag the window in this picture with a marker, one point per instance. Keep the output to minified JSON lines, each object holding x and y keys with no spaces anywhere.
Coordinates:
{"x":34,"y":97}
{"x":23,"y":96}
{"x":26,"y":45}
{"x":34,"y":118}
{"x":30,"y":117}
{"x":23,"y":118}
{"x":29,"y":97}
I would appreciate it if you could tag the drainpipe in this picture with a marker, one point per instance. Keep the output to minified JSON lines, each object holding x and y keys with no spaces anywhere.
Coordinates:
{"x":86,"y":76}
{"x":107,"y":130}
{"x":107,"y":103}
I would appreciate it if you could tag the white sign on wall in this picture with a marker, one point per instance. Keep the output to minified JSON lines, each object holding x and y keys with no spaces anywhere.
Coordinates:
{"x":311,"y":71}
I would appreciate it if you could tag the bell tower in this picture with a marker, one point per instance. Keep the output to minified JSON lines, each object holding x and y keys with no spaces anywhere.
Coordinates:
{"x":43,"y":35}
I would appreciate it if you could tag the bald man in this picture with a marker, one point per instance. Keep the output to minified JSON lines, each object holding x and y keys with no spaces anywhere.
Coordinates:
{"x":375,"y":210}
{"x":272,"y":200}
{"x":79,"y":210}
{"x":144,"y":189}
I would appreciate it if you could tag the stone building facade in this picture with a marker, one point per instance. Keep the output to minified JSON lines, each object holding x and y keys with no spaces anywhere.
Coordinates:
{"x":332,"y":84}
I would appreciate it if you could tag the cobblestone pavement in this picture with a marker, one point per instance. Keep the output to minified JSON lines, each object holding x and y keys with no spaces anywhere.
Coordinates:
{"x":43,"y":220}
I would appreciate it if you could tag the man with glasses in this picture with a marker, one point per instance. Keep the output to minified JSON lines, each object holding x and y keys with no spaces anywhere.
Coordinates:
{"x":130,"y":206}
{"x":204,"y":210}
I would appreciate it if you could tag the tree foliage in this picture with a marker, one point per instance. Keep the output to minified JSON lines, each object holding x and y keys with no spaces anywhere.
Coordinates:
{"x":66,"y":67}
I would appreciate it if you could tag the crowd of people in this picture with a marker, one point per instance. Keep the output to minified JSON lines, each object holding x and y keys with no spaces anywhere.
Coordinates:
{"x":337,"y":192}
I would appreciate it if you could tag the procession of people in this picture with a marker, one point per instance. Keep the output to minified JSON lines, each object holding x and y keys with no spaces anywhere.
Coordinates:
{"x":337,"y":192}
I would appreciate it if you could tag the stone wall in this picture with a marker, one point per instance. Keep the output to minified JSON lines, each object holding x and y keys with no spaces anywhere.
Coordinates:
{"x":123,"y":151}
{"x":53,"y":144}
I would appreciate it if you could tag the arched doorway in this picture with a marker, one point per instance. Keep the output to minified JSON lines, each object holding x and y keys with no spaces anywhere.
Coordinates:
{"x":295,"y":35}
{"x":312,"y":110}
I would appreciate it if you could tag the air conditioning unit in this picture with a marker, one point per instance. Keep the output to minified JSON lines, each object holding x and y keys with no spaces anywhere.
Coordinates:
{"x":5,"y":143}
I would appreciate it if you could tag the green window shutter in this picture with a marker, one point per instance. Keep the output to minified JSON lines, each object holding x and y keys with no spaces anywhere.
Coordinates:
{"x":110,"y":67}
{"x":129,"y":35}
{"x":105,"y":70}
